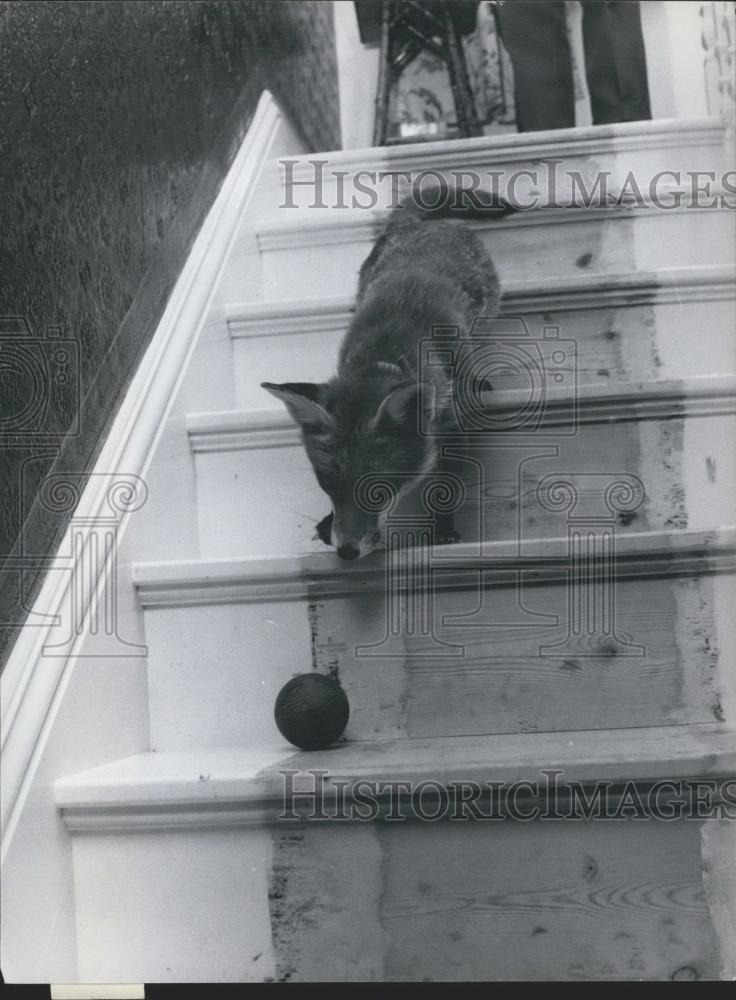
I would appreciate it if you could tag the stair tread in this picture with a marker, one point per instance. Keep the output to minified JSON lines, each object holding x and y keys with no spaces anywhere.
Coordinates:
{"x":359,"y":224}
{"x":309,"y":227}
{"x":218,"y":775}
{"x":644,"y":547}
{"x":628,"y":393}
{"x":539,"y":289}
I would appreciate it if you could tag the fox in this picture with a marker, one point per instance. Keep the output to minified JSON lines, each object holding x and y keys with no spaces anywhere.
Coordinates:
{"x":381,"y":414}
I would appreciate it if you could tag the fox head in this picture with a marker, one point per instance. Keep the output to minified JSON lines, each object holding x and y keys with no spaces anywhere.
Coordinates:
{"x":360,"y":431}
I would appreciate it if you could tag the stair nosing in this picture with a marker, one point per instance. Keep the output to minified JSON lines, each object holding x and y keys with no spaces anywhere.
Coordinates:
{"x":321,"y":575}
{"x":199,"y":787}
{"x":322,"y":314}
{"x":567,"y":408}
{"x":360,"y":226}
{"x":581,"y":140}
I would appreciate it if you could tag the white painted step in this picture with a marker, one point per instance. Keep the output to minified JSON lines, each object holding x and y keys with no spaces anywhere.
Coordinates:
{"x":314,"y":255}
{"x":670,"y":439}
{"x":218,"y":888}
{"x":315,"y":247}
{"x":492,"y":639}
{"x":626,"y":327}
{"x":638,"y":150}
{"x":247,"y":781}
{"x":256,"y":491}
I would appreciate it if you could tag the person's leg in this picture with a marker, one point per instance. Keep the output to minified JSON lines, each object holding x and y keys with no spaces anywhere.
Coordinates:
{"x":615,"y":64}
{"x":535,"y":35}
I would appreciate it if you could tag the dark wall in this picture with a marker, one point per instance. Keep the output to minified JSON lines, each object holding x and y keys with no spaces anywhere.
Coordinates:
{"x":118,"y":121}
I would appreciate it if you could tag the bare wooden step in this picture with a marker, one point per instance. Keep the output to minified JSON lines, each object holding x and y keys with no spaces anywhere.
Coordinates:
{"x":626,"y":327}
{"x":457,"y":640}
{"x":307,"y":255}
{"x":666,"y":443}
{"x":274,"y":897}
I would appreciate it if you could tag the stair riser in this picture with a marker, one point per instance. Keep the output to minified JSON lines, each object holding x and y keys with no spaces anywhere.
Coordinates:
{"x":613,"y":342}
{"x":443,"y":901}
{"x":516,"y":670}
{"x":325,"y":260}
{"x":173,"y":906}
{"x":307,"y":357}
{"x":538,"y":658}
{"x":258,"y":501}
{"x":265,"y":500}
{"x":399,"y":901}
{"x":685,"y":467}
{"x":205,"y":693}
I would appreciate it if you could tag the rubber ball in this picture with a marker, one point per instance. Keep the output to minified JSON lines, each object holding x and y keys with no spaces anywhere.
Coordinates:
{"x":311,"y":711}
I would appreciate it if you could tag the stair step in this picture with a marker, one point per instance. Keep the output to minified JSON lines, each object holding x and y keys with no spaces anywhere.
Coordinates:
{"x":197,"y":841}
{"x":633,"y":149}
{"x":257,"y":491}
{"x":537,"y":635}
{"x":220,"y":784}
{"x":626,"y":326}
{"x":309,"y":255}
{"x":577,"y":649}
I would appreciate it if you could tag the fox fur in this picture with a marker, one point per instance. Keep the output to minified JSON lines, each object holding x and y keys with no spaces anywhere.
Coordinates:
{"x":379,"y":414}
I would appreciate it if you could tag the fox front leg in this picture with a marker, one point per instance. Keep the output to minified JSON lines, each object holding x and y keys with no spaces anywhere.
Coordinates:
{"x":324,"y":529}
{"x":444,"y":530}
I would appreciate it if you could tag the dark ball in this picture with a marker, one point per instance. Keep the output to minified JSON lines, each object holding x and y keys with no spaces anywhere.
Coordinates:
{"x":311,"y":711}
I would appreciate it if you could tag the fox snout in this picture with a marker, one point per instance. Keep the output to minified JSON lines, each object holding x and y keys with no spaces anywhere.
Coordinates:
{"x":354,"y":533}
{"x":356,"y":550}
{"x":348,"y":551}
{"x":353,"y":427}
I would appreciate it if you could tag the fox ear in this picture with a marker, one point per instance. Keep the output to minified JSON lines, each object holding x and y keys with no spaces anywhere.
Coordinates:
{"x":408,"y":407}
{"x":302,"y":401}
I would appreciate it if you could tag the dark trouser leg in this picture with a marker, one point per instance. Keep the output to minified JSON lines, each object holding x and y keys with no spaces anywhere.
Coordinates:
{"x":535,"y":35}
{"x":615,"y":64}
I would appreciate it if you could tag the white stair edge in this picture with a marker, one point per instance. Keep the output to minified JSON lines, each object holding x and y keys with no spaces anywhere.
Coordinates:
{"x":31,"y":683}
{"x":605,"y":402}
{"x":273,"y":319}
{"x":356,"y":226}
{"x":697,"y":283}
{"x":188,"y":583}
{"x":586,"y":141}
{"x":235,"y":784}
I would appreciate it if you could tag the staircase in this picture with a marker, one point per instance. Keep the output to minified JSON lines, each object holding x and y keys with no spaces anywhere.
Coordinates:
{"x":582,"y":628}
